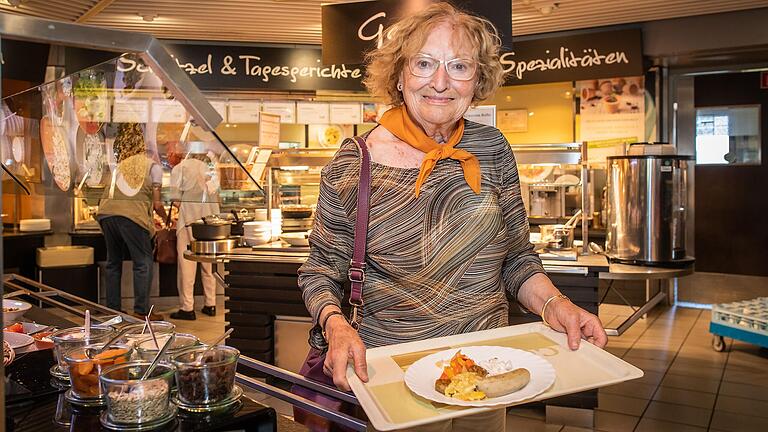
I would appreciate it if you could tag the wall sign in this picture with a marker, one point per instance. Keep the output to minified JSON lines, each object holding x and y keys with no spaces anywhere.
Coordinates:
{"x":576,"y":57}
{"x":286,"y":110}
{"x":221,"y":107}
{"x":244,"y":111}
{"x":483,"y":114}
{"x":168,"y":111}
{"x":350,"y":29}
{"x":513,"y":120}
{"x":345,"y":113}
{"x":311,"y":112}
{"x":227,"y":68}
{"x":269,"y":131}
{"x":130,"y":111}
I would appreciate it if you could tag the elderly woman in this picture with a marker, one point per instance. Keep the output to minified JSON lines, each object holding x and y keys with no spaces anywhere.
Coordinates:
{"x":448,"y":233}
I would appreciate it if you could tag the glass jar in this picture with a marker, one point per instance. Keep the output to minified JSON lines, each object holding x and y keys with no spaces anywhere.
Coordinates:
{"x":211,"y":380}
{"x":146,"y":349}
{"x":132,"y":333}
{"x":133,"y":401}
{"x":84,"y":372}
{"x":68,"y":339}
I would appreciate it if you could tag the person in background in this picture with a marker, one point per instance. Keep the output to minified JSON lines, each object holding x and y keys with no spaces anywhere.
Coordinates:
{"x":448,"y":234}
{"x":194,"y":187}
{"x":125,"y":217}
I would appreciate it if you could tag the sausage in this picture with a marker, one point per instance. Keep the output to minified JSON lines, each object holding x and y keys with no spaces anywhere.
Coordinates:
{"x":503,"y":384}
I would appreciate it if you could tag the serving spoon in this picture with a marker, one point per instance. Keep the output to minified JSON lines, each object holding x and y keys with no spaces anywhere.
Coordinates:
{"x":159,"y":355}
{"x":199,"y":359}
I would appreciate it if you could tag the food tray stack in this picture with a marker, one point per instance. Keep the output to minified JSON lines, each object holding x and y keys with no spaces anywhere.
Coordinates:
{"x":745,"y":320}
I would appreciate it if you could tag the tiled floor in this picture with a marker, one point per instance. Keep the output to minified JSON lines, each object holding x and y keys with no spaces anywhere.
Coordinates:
{"x":687,"y":385}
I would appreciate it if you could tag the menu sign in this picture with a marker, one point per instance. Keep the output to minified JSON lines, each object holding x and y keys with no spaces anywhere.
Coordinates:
{"x":168,"y":111}
{"x":311,"y":112}
{"x":576,"y":57}
{"x":350,"y":29}
{"x":221,"y":107}
{"x":244,"y":111}
{"x":286,"y":110}
{"x":214,"y":67}
{"x":269,"y":131}
{"x":345,"y":113}
{"x":130,"y":111}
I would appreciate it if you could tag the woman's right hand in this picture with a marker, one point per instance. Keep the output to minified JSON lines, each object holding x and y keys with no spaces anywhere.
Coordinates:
{"x":344,"y":345}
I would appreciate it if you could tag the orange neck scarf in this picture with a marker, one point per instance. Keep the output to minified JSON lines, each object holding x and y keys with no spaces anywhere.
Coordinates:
{"x":400,"y":124}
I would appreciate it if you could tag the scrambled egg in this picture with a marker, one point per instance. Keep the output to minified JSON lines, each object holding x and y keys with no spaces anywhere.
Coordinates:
{"x":463,"y":387}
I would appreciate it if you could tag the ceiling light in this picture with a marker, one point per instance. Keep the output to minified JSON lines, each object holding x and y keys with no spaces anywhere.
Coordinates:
{"x":15,"y":3}
{"x":148,"y":17}
{"x":549,"y":8}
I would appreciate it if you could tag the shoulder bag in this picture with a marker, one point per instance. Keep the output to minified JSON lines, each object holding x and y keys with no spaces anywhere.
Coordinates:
{"x":313,"y":365}
{"x":165,"y":242}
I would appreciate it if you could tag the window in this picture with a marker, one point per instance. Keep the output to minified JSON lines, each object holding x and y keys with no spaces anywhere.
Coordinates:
{"x":728,"y":135}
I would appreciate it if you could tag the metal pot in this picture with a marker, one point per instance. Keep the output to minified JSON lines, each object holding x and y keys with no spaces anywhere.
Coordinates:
{"x":238,"y":219}
{"x":211,"y":228}
{"x":558,"y":237}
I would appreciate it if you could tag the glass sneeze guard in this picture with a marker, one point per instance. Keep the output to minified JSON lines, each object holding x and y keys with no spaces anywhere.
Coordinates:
{"x":106,"y":134}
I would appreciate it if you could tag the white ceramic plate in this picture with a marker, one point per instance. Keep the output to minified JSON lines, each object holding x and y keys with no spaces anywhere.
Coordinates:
{"x":296,"y":239}
{"x":330,"y":136}
{"x":17,"y":340}
{"x":567,"y":179}
{"x":11,"y":317}
{"x":421,"y":376}
{"x":534,"y":173}
{"x":18,"y":149}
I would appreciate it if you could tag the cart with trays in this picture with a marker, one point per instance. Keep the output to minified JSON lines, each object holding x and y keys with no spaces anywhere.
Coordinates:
{"x":745,"y":320}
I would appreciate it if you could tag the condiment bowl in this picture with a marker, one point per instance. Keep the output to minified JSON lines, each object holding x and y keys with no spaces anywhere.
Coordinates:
{"x":68,"y":339}
{"x":133,"y":401}
{"x":146,"y":349}
{"x":133,"y":332}
{"x":207,"y":380}
{"x":84,"y":372}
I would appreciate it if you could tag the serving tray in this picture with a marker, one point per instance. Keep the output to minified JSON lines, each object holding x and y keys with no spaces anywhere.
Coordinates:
{"x":390,"y":405}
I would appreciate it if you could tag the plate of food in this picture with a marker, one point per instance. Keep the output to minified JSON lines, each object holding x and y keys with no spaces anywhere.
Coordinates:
{"x":13,"y":310}
{"x":330,"y":136}
{"x":534,"y":173}
{"x":17,"y":340}
{"x":480,"y":376}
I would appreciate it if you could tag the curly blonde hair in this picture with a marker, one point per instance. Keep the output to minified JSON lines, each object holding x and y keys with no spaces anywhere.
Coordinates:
{"x":407,"y":36}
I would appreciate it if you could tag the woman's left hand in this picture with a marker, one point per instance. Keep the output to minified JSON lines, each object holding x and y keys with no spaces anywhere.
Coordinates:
{"x":577,"y":323}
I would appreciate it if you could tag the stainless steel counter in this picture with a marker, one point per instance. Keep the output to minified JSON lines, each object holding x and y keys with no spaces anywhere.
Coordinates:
{"x":282,"y":253}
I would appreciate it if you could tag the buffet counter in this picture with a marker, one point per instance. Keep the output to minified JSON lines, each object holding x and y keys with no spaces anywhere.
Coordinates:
{"x":262,"y":301}
{"x":34,"y":401}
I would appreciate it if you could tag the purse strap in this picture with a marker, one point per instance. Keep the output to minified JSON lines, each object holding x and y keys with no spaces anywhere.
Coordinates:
{"x":356,"y":272}
{"x":168,"y":216}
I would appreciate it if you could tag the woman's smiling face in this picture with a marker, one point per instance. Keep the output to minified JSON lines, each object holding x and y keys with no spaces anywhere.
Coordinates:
{"x":438,"y":102}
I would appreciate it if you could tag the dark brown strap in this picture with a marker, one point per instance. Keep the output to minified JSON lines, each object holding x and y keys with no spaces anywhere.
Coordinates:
{"x":168,"y":216}
{"x":356,"y":272}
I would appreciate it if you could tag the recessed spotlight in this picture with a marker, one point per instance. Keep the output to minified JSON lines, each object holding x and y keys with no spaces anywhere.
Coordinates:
{"x":148,"y":17}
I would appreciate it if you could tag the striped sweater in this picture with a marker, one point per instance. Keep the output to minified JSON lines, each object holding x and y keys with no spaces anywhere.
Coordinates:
{"x":437,"y":264}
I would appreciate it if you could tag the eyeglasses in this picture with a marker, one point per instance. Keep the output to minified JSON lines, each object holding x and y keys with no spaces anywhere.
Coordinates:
{"x":460,"y":69}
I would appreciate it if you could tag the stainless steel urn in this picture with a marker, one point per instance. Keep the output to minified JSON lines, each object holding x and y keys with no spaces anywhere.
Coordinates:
{"x":646,"y":209}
